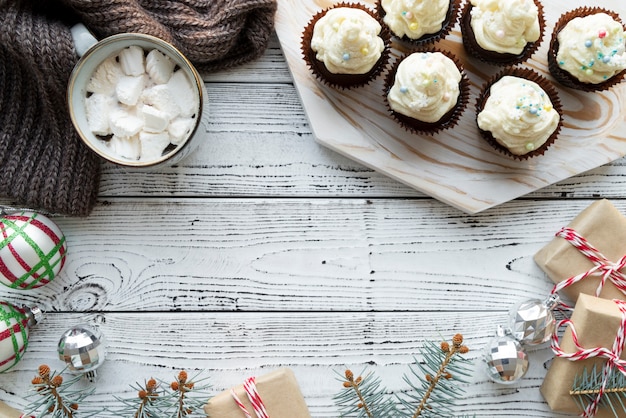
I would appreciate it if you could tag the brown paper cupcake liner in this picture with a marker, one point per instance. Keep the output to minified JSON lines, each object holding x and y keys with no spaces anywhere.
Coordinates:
{"x":545,"y":84}
{"x":448,"y":120}
{"x":428,"y":39}
{"x":564,"y":77}
{"x":343,"y":81}
{"x":491,"y":57}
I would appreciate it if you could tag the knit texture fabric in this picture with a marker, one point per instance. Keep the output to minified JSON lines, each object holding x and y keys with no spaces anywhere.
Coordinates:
{"x":43,"y":163}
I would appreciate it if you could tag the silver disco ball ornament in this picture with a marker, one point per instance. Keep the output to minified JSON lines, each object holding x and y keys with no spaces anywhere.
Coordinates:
{"x":83,"y":349}
{"x":506,"y":360}
{"x":532,"y":322}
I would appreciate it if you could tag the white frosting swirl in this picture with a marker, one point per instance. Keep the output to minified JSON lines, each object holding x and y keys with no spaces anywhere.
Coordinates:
{"x":426,"y":86}
{"x":519,"y":115}
{"x":592,"y":48}
{"x":346,"y":40}
{"x":415,"y":18}
{"x":505,"y":26}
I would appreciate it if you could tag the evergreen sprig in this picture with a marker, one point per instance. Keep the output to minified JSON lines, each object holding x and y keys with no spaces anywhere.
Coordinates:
{"x":435,"y":381}
{"x":434,"y":384}
{"x":371,"y":401}
{"x":181,"y":398}
{"x":587,"y":385}
{"x":55,"y":396}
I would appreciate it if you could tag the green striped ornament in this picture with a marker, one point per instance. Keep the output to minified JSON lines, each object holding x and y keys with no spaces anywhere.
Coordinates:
{"x":32,"y":250}
{"x":14,"y":329}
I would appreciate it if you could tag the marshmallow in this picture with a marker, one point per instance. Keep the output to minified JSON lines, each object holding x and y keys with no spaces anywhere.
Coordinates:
{"x":126,"y":147}
{"x":183,"y":93}
{"x":160,"y":67}
{"x":154,"y":120}
{"x":153,"y":145}
{"x":129,"y":89}
{"x":179,"y":129}
{"x":98,"y":108}
{"x":131,"y":60}
{"x":161,"y":97}
{"x":124,"y":124}
{"x":105,"y":77}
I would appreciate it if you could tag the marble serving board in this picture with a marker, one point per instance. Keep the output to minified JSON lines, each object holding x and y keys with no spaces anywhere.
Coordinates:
{"x":455,"y":166}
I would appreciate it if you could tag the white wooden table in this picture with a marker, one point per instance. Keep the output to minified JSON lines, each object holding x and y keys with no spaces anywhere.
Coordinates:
{"x":265,"y":249}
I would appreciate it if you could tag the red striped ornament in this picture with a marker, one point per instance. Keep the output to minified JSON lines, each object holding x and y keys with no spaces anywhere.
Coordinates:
{"x":15,"y":323}
{"x":32,"y":250}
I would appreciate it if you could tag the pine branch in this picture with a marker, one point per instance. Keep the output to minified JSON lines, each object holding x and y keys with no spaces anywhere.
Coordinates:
{"x":587,"y":385}
{"x":435,"y":381}
{"x":437,"y":388}
{"x":364,"y":397}
{"x":56,"y":398}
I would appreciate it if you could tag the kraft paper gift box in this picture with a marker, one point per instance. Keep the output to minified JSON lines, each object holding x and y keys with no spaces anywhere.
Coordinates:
{"x":596,"y":322}
{"x":278,"y":390}
{"x":7,"y":412}
{"x":604,"y":227}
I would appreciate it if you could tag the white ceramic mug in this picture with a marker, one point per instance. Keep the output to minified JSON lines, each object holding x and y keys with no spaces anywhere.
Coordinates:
{"x":93,"y":53}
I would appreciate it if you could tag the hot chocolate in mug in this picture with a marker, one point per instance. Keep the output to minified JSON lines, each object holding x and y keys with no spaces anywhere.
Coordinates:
{"x":135,"y":99}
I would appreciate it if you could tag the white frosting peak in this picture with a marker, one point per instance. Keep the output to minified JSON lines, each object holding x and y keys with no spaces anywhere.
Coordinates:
{"x":415,"y":18}
{"x":426,"y":86}
{"x":592,"y":48}
{"x":346,"y":40}
{"x":519,"y":115}
{"x":505,"y":26}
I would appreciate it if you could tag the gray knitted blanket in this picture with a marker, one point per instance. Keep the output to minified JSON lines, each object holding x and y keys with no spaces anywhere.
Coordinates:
{"x":43,"y":164}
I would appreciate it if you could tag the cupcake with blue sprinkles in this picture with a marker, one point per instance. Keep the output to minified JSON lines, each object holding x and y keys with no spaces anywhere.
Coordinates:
{"x":346,"y":45}
{"x":427,"y":91}
{"x":518,"y":112}
{"x":588,"y":49}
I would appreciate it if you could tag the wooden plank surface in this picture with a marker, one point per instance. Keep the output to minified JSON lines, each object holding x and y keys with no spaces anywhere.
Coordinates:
{"x":265,"y":249}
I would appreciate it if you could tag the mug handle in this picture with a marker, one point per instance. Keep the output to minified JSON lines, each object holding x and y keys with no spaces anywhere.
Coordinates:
{"x":83,"y":38}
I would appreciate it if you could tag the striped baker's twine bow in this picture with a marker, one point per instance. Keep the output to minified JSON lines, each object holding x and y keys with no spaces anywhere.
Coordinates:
{"x":603,"y":267}
{"x":613,"y":355}
{"x":254,"y":397}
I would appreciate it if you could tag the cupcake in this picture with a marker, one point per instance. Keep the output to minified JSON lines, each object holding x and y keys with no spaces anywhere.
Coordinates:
{"x":346,"y":45}
{"x":587,"y":49}
{"x":519,"y":113}
{"x":419,"y":22}
{"x":427,"y":91}
{"x":502,"y":31}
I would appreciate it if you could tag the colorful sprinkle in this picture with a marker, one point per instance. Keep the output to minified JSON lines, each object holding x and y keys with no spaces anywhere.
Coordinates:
{"x":408,"y":15}
{"x":589,"y":71}
{"x":413,"y":26}
{"x":365,"y":50}
{"x":346,"y":56}
{"x":547,"y":107}
{"x":602,"y":33}
{"x":588,"y":43}
{"x":530,"y":146}
{"x":606,"y":59}
{"x":533,"y":110}
{"x":404,"y":89}
{"x":500,"y":34}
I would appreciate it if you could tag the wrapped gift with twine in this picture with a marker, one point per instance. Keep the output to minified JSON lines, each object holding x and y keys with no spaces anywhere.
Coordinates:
{"x":589,"y":255}
{"x":584,"y":345}
{"x":275,"y":395}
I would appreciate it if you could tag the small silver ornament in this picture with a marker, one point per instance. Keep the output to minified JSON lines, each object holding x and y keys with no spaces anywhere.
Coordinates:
{"x":532,"y":322}
{"x":83,"y":349}
{"x":506,"y":359}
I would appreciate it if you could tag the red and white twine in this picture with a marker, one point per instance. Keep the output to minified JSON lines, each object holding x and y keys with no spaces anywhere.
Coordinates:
{"x":603,"y":267}
{"x":613,"y":355}
{"x":254,"y":397}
